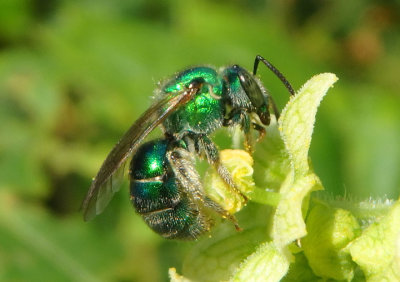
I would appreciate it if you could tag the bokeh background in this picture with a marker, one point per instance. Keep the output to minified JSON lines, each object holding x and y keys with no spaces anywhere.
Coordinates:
{"x":75,"y":74}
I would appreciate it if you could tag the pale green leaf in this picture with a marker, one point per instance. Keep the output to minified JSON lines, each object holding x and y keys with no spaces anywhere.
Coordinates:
{"x":214,"y":259}
{"x":296,"y":126}
{"x":267,"y":263}
{"x":297,"y":120}
{"x":329,"y":232}
{"x":377,"y":250}
{"x":300,"y":270}
{"x":288,"y":222}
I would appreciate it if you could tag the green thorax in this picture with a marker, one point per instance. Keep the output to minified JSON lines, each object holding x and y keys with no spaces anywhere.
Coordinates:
{"x":205,"y":112}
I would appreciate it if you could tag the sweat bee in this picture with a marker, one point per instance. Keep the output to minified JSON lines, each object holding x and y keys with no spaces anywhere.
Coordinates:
{"x":165,"y":187}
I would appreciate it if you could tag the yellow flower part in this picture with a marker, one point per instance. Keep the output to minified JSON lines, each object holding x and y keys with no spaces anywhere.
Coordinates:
{"x":240,"y":164}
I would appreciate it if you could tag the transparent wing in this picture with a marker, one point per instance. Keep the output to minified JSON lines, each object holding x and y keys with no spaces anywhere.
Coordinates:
{"x":108,"y":179}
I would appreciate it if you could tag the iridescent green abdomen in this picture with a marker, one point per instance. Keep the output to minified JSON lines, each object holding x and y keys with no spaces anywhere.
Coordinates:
{"x":158,"y":197}
{"x":206,"y":111}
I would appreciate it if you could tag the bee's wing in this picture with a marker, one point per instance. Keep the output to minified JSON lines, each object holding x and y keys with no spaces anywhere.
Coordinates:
{"x":106,"y":182}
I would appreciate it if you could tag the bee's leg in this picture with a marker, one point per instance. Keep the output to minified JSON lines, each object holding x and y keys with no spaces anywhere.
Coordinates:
{"x":261,"y":131}
{"x":208,"y":149}
{"x":225,"y":214}
{"x":182,"y":164}
{"x":237,"y":117}
{"x":240,"y":117}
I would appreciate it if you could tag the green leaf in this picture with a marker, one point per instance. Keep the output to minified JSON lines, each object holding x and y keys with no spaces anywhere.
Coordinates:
{"x":214,"y":259}
{"x":296,"y":126}
{"x":298,"y":117}
{"x":300,"y":270}
{"x":267,"y":263}
{"x":288,"y":224}
{"x":377,"y":250}
{"x":329,"y":232}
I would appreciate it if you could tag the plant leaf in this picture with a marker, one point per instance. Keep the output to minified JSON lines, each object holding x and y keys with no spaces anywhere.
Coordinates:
{"x":214,"y":259}
{"x":377,"y":250}
{"x":298,"y":117}
{"x":296,"y":126}
{"x":329,"y":232}
{"x":267,"y":263}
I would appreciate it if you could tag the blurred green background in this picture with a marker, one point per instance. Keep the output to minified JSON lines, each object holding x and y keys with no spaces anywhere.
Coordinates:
{"x":75,"y":74}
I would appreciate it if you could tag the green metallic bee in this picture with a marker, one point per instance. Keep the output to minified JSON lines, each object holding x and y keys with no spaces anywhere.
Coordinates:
{"x":165,"y":187}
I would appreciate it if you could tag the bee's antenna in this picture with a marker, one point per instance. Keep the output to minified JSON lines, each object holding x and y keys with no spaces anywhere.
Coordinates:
{"x":275,"y":71}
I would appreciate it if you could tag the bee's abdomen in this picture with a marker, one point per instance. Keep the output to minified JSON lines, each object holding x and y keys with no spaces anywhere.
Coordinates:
{"x":158,"y":198}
